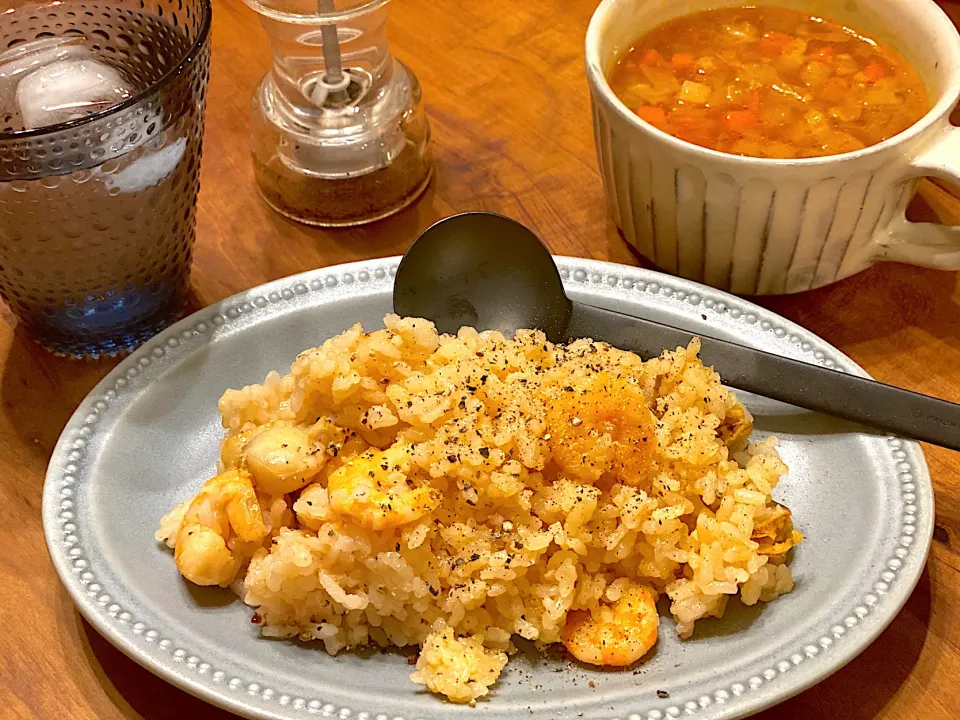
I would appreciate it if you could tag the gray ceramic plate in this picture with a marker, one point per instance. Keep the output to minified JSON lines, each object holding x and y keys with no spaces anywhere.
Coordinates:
{"x":146,"y":437}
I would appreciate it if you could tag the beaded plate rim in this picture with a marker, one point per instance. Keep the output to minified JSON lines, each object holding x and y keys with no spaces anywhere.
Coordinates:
{"x":863,"y":621}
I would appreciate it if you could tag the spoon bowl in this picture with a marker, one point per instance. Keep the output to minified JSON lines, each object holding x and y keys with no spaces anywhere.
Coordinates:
{"x":483,"y":270}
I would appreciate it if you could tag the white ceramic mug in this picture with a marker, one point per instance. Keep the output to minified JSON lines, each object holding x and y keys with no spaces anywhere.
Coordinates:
{"x":761,"y":226}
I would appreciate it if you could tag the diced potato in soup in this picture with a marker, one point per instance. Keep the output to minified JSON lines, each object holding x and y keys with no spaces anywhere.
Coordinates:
{"x":769,"y":82}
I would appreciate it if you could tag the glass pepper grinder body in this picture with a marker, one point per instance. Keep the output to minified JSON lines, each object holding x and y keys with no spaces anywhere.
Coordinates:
{"x":339,"y":133}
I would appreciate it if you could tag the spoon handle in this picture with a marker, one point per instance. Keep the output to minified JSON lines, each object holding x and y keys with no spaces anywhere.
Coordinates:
{"x":904,"y":413}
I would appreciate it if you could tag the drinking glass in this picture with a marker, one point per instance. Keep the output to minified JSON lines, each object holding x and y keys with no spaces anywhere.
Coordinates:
{"x":98,"y":195}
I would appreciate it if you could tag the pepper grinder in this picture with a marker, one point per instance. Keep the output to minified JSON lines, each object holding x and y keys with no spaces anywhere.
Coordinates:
{"x":339,"y":135}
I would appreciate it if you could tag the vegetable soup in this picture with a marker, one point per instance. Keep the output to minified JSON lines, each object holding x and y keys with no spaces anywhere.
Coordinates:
{"x":769,"y":82}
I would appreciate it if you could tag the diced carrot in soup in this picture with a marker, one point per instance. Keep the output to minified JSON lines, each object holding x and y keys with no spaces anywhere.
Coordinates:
{"x":824,"y":54}
{"x":650,"y":57}
{"x":741,"y":121}
{"x":653,"y":115}
{"x":769,"y":82}
{"x":774,"y":42}
{"x":875,"y":71}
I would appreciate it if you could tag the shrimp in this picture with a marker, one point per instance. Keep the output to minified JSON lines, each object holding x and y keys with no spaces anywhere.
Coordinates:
{"x":282,"y":459}
{"x":614,"y":635}
{"x":224,"y":511}
{"x":231,"y":451}
{"x":373,"y":489}
{"x":773,"y":531}
{"x":602,"y":425}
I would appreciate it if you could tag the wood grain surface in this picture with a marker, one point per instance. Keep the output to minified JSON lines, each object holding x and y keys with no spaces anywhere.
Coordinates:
{"x":506,"y":95}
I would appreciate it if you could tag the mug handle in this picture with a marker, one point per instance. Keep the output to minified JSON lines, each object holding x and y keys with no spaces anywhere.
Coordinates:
{"x":927,"y":244}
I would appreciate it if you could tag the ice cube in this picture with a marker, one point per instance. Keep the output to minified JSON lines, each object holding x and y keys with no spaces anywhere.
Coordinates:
{"x":21,"y":59}
{"x":27,"y":56}
{"x":151,"y":168}
{"x":68,"y":88}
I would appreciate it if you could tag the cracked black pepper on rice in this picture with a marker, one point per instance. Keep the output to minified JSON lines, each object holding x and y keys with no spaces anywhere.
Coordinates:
{"x":402,"y":487}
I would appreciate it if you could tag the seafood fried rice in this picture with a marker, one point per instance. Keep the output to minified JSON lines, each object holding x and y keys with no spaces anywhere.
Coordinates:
{"x":402,"y":487}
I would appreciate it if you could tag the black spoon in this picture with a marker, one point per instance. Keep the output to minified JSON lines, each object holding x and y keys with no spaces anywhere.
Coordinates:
{"x":490,"y":272}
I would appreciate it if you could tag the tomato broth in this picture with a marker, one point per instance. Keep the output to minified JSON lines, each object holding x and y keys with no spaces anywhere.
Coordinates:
{"x":769,"y":82}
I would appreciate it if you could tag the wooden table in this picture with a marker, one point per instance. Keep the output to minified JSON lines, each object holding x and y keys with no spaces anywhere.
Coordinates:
{"x":507,"y":100}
